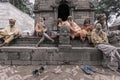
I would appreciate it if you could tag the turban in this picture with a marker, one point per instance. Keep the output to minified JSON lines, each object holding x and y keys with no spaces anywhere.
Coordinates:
{"x":101,"y":17}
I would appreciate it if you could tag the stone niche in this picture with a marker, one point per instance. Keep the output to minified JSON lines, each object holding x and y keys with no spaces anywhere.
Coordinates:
{"x":54,"y":9}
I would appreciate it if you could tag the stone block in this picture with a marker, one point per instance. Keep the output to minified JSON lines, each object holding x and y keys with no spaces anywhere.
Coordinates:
{"x":16,"y":49}
{"x":38,"y":62}
{"x":13,"y":56}
{"x":53,"y":55}
{"x":85,"y":57}
{"x":96,"y":57}
{"x":52,"y":50}
{"x":37,"y":55}
{"x":47,"y":56}
{"x":57,"y":56}
{"x":65,"y":48}
{"x":74,"y":62}
{"x":8,"y":62}
{"x":93,"y":63}
{"x":64,"y":39}
{"x":5,"y":62}
{"x":60,"y":62}
{"x":20,"y":62}
{"x":2,"y":62}
{"x":40,"y":50}
{"x":80,"y":62}
{"x":51,"y":62}
{"x":74,"y":56}
{"x":25,"y":56}
{"x":3,"y":56}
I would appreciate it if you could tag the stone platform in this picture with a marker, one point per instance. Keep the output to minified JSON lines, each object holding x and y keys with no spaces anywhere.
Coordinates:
{"x":31,"y":41}
{"x":50,"y":56}
{"x":22,"y":51}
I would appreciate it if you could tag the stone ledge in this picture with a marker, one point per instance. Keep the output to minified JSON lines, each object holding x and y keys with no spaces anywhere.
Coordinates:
{"x":15,"y":55}
{"x":32,"y":41}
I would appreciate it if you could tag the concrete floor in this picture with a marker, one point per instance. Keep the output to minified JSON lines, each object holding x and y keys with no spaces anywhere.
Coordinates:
{"x":63,"y":72}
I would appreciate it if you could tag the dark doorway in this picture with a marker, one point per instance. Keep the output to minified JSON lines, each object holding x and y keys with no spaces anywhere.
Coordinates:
{"x":63,"y":11}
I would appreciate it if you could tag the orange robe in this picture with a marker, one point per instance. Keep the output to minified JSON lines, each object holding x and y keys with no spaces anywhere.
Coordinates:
{"x":39,"y":28}
{"x":88,"y":29}
{"x":66,"y":23}
{"x":76,"y":31}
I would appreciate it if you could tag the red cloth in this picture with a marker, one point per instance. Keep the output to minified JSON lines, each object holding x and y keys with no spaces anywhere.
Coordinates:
{"x":88,"y":28}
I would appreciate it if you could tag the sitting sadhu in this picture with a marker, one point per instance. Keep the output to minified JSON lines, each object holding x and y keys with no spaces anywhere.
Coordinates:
{"x":9,"y":33}
{"x":41,"y":30}
{"x":101,"y":19}
{"x":88,"y":27}
{"x":75,"y":30}
{"x":63,"y":23}
{"x":100,"y":41}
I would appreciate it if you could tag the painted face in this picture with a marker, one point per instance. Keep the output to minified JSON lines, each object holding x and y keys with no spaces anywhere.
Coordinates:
{"x":12,"y":24}
{"x":41,"y":19}
{"x":99,"y":30}
{"x":102,"y":21}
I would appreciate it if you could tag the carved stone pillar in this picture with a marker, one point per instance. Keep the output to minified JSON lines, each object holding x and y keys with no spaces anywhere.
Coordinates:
{"x":55,"y":12}
{"x":72,"y":12}
{"x":64,"y":38}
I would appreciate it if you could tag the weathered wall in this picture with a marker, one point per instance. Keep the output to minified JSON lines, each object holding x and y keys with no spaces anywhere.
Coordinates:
{"x":49,"y":55}
{"x":79,"y":16}
{"x":23,"y":52}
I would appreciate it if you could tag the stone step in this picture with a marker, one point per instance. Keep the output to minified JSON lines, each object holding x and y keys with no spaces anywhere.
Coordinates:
{"x":32,"y":41}
{"x":15,"y":55}
{"x":49,"y":55}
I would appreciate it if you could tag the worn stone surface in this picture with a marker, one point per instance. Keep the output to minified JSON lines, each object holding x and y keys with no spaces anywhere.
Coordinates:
{"x":3,"y":56}
{"x":38,"y":62}
{"x":55,"y":72}
{"x":64,"y":37}
{"x":13,"y":56}
{"x":51,"y":55}
{"x":25,"y":56}
{"x":20,"y":62}
{"x":31,"y":42}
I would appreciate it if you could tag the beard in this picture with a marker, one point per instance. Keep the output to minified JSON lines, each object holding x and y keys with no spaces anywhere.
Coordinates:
{"x":99,"y":32}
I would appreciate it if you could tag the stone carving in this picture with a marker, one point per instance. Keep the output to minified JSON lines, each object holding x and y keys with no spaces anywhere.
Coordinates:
{"x":64,"y":37}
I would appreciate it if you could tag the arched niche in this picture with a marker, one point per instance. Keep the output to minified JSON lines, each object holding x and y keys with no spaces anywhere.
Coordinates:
{"x":63,"y":11}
